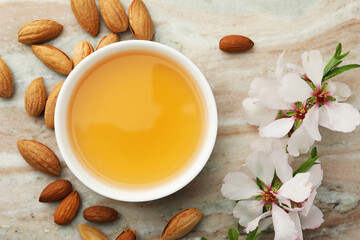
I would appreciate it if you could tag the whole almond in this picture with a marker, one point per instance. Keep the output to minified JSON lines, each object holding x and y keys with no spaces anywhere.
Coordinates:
{"x":67,"y":209}
{"x":86,"y":14}
{"x":81,"y":51}
{"x":55,"y":191}
{"x":181,"y":224}
{"x":129,"y":234}
{"x":141,"y":25}
{"x":88,"y":232}
{"x":6,"y":80}
{"x":235,"y":43}
{"x":107,"y":40}
{"x":100,"y":214}
{"x":53,"y":58}
{"x":49,"y":113}
{"x":114,"y":15}
{"x":39,"y":31}
{"x":39,"y":156}
{"x":35,"y":97}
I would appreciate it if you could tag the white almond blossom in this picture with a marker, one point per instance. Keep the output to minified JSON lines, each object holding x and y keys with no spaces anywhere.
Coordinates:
{"x":287,"y":200}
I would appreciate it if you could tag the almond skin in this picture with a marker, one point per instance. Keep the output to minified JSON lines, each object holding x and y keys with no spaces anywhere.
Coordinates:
{"x":141,"y":25}
{"x":81,"y":51}
{"x":235,"y":44}
{"x":107,"y":40}
{"x":129,"y":234}
{"x":39,"y":156}
{"x":53,"y":58}
{"x":114,"y":15}
{"x":35,"y":97}
{"x":49,"y":113}
{"x":181,"y":224}
{"x":87,"y":15}
{"x":88,"y":232}
{"x":100,"y":214}
{"x":6,"y":80}
{"x":39,"y":31}
{"x":55,"y":191}
{"x":67,"y":209}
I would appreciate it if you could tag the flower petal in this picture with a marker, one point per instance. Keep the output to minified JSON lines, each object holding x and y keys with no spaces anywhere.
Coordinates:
{"x":261,"y":166}
{"x":313,"y":220}
{"x":342,"y":116}
{"x":313,"y":66}
{"x":324,"y":119}
{"x":340,"y":91}
{"x":239,"y":186}
{"x":295,"y":68}
{"x":277,"y":128}
{"x":264,"y":224}
{"x":247,"y":211}
{"x":300,"y":142}
{"x":294,"y":89}
{"x":280,"y":161}
{"x":283,"y":225}
{"x":258,"y":114}
{"x":309,"y":202}
{"x":311,"y":123}
{"x":295,"y":218}
{"x":280,"y":66}
{"x":316,"y":175}
{"x":254,"y":223}
{"x":297,"y":189}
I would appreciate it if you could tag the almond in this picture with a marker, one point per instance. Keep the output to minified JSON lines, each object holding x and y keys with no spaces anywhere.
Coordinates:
{"x":6,"y":80}
{"x":141,"y":25}
{"x":114,"y":15}
{"x":67,"y":209}
{"x":55,"y":191}
{"x":129,"y":234}
{"x":39,"y":31}
{"x":86,"y":14}
{"x":81,"y":51}
{"x":35,"y":97}
{"x":235,"y":43}
{"x":181,"y":224}
{"x":50,"y":106}
{"x":88,"y":232}
{"x":100,"y":214}
{"x":107,"y":40}
{"x":39,"y":156}
{"x":53,"y":58}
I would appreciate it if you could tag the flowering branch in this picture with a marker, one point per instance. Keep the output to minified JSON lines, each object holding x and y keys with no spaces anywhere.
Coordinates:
{"x":288,"y":111}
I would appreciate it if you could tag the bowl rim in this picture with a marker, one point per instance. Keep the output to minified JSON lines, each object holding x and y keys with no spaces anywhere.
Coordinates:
{"x":125,"y":194}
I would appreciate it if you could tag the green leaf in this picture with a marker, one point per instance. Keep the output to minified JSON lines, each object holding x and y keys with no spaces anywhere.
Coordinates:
{"x":335,"y":60}
{"x":202,"y":238}
{"x":338,"y":50}
{"x":336,"y":71}
{"x":260,"y":184}
{"x":252,"y":235}
{"x":233,"y":234}
{"x":261,"y":233}
{"x":309,"y":163}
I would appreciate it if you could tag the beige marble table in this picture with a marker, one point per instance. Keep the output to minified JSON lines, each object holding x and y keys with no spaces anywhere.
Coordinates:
{"x":193,"y":27}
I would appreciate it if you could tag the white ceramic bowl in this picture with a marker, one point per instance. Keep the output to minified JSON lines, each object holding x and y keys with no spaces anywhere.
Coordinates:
{"x":116,"y":192}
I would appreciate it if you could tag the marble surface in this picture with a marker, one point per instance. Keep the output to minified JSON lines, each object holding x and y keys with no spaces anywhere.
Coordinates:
{"x":194,"y":28}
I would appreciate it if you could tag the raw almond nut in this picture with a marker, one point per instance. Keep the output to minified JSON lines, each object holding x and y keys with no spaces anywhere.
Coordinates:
{"x":39,"y":31}
{"x":100,"y":214}
{"x":81,"y":51}
{"x":67,"y":209}
{"x":53,"y":58}
{"x":86,"y":14}
{"x":181,"y":224}
{"x":141,"y":25}
{"x":88,"y":232}
{"x":39,"y":156}
{"x":114,"y":15}
{"x":35,"y":97}
{"x":55,"y":191}
{"x":235,"y":43}
{"x":107,"y":40}
{"x":129,"y":234}
{"x":6,"y":80}
{"x":49,"y":113}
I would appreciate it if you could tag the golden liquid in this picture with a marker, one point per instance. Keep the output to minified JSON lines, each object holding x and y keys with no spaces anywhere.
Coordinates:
{"x":136,"y":119}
